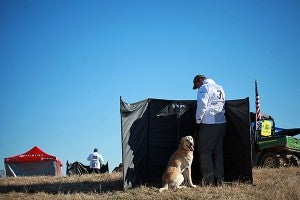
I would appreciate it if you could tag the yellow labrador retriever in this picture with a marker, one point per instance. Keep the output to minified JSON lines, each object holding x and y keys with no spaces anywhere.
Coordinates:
{"x":179,"y":166}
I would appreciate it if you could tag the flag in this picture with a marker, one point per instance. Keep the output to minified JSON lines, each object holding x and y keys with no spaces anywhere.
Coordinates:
{"x":257,"y":108}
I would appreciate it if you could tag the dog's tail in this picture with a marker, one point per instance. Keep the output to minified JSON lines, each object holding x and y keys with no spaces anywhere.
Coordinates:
{"x":165,"y":187}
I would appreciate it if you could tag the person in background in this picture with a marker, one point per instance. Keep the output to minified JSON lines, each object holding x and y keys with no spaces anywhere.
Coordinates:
{"x":210,"y":115}
{"x":96,"y":161}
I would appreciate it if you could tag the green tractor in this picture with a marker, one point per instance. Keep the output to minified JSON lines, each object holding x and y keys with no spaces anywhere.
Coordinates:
{"x":272,"y":146}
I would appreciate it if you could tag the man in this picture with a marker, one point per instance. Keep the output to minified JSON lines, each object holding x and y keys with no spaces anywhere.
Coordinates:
{"x":210,"y":115}
{"x":96,"y":161}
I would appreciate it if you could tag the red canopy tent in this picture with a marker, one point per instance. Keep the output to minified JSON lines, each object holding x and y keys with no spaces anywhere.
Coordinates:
{"x":34,"y":162}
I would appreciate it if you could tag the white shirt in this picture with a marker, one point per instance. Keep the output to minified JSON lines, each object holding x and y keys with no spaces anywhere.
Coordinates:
{"x":95,"y":160}
{"x":210,"y":103}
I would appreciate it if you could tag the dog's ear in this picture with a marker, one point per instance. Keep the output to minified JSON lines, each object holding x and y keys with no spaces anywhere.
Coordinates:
{"x":181,"y":142}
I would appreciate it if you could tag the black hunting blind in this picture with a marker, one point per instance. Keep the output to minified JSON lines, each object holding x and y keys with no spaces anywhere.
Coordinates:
{"x":152,"y":128}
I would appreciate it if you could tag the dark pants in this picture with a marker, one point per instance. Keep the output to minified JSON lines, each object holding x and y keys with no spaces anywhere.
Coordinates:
{"x":210,"y":149}
{"x":96,"y":170}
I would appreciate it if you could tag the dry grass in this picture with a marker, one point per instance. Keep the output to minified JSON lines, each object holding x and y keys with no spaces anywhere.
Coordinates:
{"x":283,"y":183}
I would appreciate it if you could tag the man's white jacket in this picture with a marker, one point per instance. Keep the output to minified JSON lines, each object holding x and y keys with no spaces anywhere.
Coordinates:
{"x":96,"y":160}
{"x":210,"y":103}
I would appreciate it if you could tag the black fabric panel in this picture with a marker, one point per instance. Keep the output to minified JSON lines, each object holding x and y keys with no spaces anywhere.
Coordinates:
{"x":237,"y":145}
{"x":162,"y":138}
{"x":134,"y":120}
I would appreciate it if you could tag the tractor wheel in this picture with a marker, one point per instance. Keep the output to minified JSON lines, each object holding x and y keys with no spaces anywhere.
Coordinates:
{"x":270,"y":160}
{"x":282,"y":161}
{"x":294,"y":161}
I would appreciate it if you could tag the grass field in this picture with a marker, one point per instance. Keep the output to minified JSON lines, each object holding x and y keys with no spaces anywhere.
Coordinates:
{"x":282,"y":183}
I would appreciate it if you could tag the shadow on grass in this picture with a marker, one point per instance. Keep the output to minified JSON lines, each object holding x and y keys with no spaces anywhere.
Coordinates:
{"x":66,"y":188}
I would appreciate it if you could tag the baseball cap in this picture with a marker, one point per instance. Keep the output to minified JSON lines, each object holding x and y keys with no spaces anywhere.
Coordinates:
{"x":196,"y":79}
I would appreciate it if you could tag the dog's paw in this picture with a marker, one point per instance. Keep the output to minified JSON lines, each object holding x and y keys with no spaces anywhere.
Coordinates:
{"x":162,"y":189}
{"x":193,"y":186}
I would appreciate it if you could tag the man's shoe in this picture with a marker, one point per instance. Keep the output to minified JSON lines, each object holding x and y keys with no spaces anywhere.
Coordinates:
{"x":219,"y":182}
